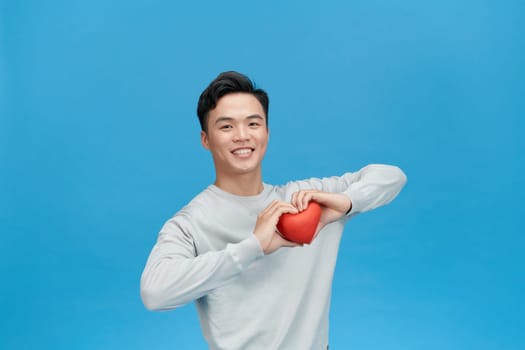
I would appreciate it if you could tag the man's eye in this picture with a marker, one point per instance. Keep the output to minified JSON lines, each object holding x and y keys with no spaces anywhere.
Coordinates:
{"x":225,"y":127}
{"x":254,"y":124}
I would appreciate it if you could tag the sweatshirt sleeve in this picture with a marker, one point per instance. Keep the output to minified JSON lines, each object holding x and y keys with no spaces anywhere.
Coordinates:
{"x":175,"y":275}
{"x":370,"y":187}
{"x":374,"y":186}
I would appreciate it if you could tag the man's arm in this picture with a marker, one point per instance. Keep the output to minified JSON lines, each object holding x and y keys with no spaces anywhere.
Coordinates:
{"x":373,"y":186}
{"x":370,"y":187}
{"x":174,"y":275}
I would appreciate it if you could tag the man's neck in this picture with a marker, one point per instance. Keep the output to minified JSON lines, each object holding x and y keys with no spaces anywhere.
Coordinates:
{"x":241,"y":185}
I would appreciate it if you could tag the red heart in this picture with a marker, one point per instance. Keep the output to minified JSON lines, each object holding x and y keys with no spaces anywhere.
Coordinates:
{"x":300,"y":227}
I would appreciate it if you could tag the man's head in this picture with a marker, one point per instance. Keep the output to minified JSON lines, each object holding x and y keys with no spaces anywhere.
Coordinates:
{"x":234,"y":120}
{"x":228,"y":83}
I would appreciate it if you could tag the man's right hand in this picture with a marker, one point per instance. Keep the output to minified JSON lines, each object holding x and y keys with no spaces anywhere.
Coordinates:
{"x":265,"y":227}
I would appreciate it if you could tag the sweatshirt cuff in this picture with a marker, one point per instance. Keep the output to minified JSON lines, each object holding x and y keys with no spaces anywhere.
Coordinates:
{"x":358,"y":201}
{"x":245,"y":252}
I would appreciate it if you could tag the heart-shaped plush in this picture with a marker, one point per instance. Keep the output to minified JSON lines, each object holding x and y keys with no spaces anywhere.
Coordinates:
{"x":300,"y":227}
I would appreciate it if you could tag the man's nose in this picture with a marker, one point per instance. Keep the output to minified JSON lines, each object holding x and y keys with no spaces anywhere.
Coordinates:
{"x":241,"y":134}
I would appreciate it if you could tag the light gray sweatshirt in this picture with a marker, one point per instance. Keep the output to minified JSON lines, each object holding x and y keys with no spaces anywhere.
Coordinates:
{"x":207,"y":253}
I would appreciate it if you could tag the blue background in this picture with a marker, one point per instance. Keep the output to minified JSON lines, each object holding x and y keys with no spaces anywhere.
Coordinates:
{"x":99,"y":145}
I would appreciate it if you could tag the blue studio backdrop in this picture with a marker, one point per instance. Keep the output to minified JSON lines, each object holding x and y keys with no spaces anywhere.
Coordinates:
{"x":99,"y":146}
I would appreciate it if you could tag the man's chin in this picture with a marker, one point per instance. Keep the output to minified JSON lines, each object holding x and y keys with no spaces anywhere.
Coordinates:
{"x":248,"y":170}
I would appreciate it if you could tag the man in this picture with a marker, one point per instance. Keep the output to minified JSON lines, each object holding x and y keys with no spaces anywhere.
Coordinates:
{"x":223,"y":250}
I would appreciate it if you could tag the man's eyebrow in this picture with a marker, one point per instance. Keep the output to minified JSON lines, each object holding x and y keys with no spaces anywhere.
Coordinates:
{"x":229,"y":119}
{"x":223,"y":119}
{"x":254,"y":116}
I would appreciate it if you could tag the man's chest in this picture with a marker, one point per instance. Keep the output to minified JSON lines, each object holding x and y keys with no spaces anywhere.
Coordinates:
{"x":228,"y":222}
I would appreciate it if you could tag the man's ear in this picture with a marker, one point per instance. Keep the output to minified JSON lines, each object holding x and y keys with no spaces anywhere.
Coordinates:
{"x":204,"y":140}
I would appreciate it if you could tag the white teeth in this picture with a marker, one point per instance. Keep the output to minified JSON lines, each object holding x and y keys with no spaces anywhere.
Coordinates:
{"x":242,"y":151}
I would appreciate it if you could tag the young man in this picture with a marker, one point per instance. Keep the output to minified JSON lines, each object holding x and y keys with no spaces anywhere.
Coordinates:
{"x":223,"y":250}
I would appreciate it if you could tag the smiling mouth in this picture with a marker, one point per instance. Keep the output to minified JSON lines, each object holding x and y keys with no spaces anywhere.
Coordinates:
{"x":243,"y":151}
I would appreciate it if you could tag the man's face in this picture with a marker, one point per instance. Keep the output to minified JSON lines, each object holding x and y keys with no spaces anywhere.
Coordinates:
{"x":237,"y":135}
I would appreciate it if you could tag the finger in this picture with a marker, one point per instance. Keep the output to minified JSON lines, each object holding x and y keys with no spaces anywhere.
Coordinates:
{"x":299,"y":200}
{"x":281,"y":208}
{"x":294,"y":199}
{"x":286,"y":208}
{"x":306,"y":199}
{"x":271,"y":208}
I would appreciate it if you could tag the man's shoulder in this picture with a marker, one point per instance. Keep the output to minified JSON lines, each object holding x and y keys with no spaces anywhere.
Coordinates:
{"x":197,"y":204}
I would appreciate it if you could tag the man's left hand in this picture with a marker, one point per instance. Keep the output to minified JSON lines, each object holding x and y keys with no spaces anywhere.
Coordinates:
{"x":334,"y":205}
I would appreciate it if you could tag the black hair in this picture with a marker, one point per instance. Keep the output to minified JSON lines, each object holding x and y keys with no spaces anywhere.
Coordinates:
{"x":228,"y":83}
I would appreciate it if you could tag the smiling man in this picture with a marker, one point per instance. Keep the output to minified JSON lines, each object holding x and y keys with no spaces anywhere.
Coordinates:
{"x":253,"y":288}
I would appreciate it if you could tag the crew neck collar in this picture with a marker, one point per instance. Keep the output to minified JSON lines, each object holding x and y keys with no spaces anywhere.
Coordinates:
{"x":223,"y":193}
